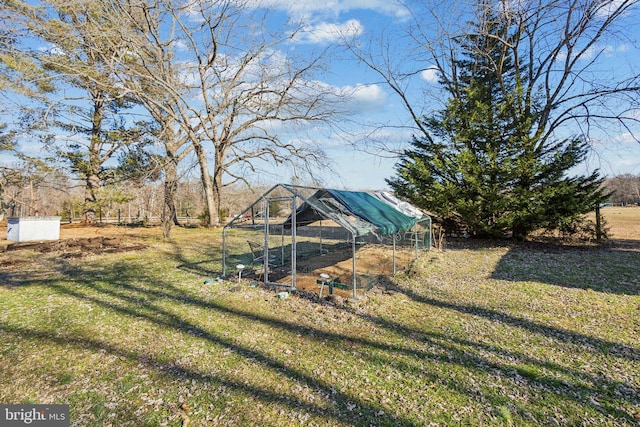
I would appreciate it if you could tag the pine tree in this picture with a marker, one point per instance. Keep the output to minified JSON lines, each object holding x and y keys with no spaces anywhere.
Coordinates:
{"x":483,"y":167}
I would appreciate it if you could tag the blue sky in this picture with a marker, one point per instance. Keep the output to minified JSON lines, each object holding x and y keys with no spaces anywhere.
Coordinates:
{"x":377,"y":111}
{"x":614,"y":151}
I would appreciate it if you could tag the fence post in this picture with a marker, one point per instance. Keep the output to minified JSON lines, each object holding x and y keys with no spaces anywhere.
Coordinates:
{"x":598,"y":224}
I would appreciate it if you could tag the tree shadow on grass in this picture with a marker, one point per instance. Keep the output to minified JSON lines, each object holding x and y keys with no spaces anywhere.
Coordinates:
{"x":520,"y":370}
{"x":310,"y":257}
{"x":146,"y":303}
{"x":205,"y":268}
{"x":585,"y":388}
{"x":207,"y":264}
{"x":119,"y":292}
{"x":605,"y":347}
{"x":602,"y":269}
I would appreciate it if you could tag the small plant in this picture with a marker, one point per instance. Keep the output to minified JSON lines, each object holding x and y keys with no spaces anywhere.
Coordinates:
{"x":204,"y":216}
{"x":275,"y":208}
{"x":223,"y":214}
{"x":505,"y":414}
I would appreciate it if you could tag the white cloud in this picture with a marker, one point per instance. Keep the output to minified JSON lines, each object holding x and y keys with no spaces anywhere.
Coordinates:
{"x":179,"y":45}
{"x":369,"y":94}
{"x":606,"y":9}
{"x":430,"y":75}
{"x":592,"y":51}
{"x":52,"y":49}
{"x":334,"y":7}
{"x":363,"y":98}
{"x":326,"y":32}
{"x":626,"y":138}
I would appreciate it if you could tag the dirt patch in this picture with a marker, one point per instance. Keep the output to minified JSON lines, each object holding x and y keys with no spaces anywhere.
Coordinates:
{"x":13,"y":263}
{"x":80,"y":230}
{"x":76,"y":247}
{"x":78,"y":240}
{"x":374,"y":264}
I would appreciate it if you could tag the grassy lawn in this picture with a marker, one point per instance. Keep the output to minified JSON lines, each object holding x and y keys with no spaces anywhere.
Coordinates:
{"x":479,"y":334}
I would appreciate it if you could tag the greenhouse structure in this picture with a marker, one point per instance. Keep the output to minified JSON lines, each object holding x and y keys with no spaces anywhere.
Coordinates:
{"x":308,"y":238}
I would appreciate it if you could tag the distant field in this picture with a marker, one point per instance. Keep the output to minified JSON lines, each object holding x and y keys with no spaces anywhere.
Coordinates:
{"x":624,"y":223}
{"x":621,"y":223}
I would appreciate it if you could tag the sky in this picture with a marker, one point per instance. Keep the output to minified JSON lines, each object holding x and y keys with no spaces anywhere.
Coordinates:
{"x":613,"y":151}
{"x":355,"y":162}
{"x":376,"y":111}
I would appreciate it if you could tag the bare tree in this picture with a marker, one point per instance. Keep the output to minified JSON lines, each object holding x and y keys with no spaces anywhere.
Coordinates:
{"x":85,"y":37}
{"x":224,"y":81}
{"x":558,"y":47}
{"x":625,"y":189}
{"x":32,"y":187}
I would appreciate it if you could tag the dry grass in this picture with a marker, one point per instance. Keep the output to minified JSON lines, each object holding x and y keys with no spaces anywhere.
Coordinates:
{"x":623,"y":223}
{"x":479,"y":334}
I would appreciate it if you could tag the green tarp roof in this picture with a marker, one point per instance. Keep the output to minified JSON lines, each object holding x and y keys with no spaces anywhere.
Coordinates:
{"x":359,"y":212}
{"x":386,"y":218}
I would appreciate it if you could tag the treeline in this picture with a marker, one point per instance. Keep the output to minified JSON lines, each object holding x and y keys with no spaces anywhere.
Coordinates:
{"x":54,"y":192}
{"x":168,"y":109}
{"x":624,"y":189}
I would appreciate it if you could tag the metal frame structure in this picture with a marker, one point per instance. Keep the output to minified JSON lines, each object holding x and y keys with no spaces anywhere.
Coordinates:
{"x":296,"y":196}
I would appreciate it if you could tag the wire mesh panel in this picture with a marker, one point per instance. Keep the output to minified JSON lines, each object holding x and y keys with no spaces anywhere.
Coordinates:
{"x":302,"y":238}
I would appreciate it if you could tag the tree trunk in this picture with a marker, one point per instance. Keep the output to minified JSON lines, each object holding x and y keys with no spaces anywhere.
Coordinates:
{"x":169,"y":216}
{"x":207,"y":185}
{"x":90,"y":198}
{"x":519,"y":232}
{"x":2,"y":204}
{"x":217,"y":181}
{"x":598,"y":224}
{"x":217,"y":191}
{"x":93,"y":168}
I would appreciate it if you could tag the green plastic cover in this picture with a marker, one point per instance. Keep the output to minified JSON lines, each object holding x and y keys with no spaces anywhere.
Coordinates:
{"x":387,"y":219}
{"x":323,"y":205}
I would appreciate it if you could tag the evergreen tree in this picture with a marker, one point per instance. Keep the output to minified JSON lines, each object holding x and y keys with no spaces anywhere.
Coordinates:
{"x":482,"y":166}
